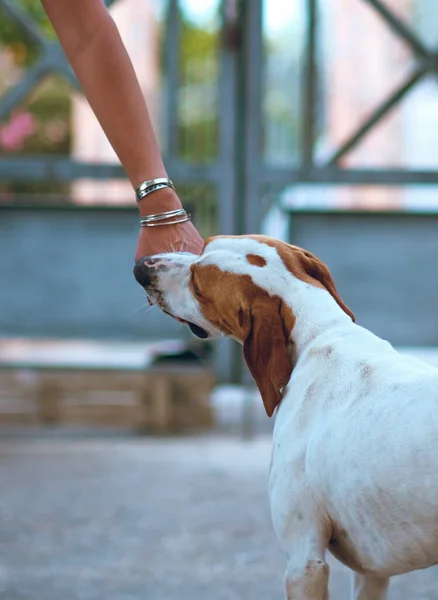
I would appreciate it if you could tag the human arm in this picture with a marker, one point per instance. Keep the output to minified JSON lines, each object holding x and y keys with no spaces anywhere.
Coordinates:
{"x":96,"y":52}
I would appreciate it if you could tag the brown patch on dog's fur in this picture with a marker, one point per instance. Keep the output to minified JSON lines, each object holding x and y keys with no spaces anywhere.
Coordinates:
{"x":302,"y":264}
{"x":263,"y":323}
{"x":256,"y":260}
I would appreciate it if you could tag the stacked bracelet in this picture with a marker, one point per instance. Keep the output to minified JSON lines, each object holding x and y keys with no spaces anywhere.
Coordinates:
{"x":152,"y":185}
{"x":179,"y":216}
{"x":171,"y":217}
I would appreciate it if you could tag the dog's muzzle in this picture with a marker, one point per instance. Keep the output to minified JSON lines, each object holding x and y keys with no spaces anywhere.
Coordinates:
{"x":144,"y":273}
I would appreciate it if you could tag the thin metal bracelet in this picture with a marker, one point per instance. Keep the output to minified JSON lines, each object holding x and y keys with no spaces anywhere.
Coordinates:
{"x":152,"y":185}
{"x":149,"y":224}
{"x":179,"y":212}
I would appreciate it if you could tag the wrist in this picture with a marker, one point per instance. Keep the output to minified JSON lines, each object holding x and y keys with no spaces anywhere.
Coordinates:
{"x":159,"y":201}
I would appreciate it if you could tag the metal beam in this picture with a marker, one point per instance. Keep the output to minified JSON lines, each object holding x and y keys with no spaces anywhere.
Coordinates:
{"x":57,"y":63}
{"x":53,"y":61}
{"x":282,"y":177}
{"x":172,"y":77}
{"x":17,"y":14}
{"x":399,"y":27}
{"x":250,"y":109}
{"x":308,"y":106}
{"x":12,"y":97}
{"x":50,"y":168}
{"x":230,"y":47}
{"x":378,"y":114}
{"x":227,"y":358}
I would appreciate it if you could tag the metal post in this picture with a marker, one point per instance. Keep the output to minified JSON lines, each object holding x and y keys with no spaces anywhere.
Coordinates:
{"x":172,"y":75}
{"x":250,"y":113}
{"x":227,"y":184}
{"x":229,"y":50}
{"x":249,"y":148}
{"x":309,"y":86}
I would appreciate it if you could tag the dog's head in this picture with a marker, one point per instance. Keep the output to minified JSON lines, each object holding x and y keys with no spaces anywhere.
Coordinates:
{"x":241,"y":286}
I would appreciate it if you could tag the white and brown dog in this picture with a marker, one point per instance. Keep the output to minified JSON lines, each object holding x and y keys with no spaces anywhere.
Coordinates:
{"x":355,"y":451}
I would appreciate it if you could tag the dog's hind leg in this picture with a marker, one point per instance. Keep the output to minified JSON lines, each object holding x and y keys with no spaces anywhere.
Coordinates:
{"x":369,"y":588}
{"x":307,"y":582}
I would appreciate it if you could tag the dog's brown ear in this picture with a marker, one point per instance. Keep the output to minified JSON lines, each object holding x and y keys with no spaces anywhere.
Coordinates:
{"x":266,"y":351}
{"x":316,"y":269}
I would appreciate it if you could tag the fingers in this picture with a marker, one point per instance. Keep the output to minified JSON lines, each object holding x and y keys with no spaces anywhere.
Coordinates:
{"x":174,"y":238}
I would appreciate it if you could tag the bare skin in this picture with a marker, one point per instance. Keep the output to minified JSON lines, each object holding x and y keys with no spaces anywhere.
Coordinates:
{"x":97,"y":55}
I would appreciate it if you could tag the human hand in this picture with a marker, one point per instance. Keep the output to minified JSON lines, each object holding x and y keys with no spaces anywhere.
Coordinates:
{"x":182,"y":237}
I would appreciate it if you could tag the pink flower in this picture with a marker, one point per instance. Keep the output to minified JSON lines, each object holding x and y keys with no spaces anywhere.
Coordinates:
{"x":20,"y":127}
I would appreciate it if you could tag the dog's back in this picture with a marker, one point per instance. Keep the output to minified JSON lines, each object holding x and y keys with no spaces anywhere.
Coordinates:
{"x":360,"y":422}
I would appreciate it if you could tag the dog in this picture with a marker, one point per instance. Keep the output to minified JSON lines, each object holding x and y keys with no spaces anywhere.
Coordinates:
{"x":354,"y":466}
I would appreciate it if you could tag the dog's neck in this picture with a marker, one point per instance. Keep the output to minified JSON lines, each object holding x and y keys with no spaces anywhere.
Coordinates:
{"x":316,"y":312}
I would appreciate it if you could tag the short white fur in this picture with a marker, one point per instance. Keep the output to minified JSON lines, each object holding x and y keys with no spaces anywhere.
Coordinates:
{"x":355,"y":447}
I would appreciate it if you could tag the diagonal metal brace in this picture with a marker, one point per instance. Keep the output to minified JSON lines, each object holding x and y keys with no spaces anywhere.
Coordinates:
{"x":52,"y":62}
{"x":428,"y":62}
{"x":378,"y":114}
{"x":22,"y":89}
{"x":17,"y":14}
{"x":399,"y":27}
{"x":56,"y":62}
{"x":53,"y":59}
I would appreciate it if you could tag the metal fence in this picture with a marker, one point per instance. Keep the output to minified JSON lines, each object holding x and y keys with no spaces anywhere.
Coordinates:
{"x":243,"y":182}
{"x":239,"y":173}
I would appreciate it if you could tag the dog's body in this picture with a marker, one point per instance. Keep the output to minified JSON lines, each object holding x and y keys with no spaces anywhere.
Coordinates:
{"x":355,"y":459}
{"x":355,"y":451}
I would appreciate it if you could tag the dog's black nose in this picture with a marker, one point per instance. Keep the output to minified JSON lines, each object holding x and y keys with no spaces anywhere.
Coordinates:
{"x":142,"y":272}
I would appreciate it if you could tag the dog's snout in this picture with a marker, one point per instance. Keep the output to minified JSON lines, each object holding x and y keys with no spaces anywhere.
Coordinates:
{"x":143,"y":272}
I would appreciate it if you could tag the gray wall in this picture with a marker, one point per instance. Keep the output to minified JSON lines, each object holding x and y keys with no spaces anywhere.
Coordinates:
{"x":68,"y":273}
{"x":384,"y":266}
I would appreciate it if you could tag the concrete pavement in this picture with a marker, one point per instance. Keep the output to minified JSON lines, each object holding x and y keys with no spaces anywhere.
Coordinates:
{"x":123,"y":518}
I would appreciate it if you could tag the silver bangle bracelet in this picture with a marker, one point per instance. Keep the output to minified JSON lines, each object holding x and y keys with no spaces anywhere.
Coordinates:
{"x":183,"y":220}
{"x":162,"y":218}
{"x":179,"y":212}
{"x":152,"y":185}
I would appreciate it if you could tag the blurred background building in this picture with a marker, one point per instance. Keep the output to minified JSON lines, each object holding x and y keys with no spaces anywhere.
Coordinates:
{"x":315,"y":121}
{"x":139,"y":29}
{"x":311,"y":120}
{"x":360,"y":61}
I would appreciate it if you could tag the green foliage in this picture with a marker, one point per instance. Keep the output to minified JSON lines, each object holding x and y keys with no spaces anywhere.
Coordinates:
{"x":200,"y":203}
{"x":13,"y":35}
{"x":49,"y":105}
{"x":50,"y":109}
{"x":196,"y":44}
{"x":199,"y":64}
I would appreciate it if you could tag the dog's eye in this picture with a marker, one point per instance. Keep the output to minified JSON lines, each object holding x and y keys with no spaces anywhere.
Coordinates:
{"x":196,"y":290}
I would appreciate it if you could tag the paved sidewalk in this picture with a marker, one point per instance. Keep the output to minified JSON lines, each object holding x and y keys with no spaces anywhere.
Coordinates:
{"x":114,"y":518}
